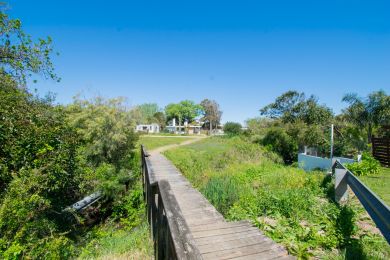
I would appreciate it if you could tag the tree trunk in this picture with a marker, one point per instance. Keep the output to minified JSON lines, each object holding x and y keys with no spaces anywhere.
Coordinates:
{"x":179,"y":125}
{"x":211,"y":127}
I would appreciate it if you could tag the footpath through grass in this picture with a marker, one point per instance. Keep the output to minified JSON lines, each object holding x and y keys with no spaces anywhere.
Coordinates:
{"x":244,"y":181}
{"x":153,"y":142}
{"x":380,"y":184}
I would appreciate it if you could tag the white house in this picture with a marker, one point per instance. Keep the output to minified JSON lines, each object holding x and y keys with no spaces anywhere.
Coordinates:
{"x":192,"y":129}
{"x":152,"y":128}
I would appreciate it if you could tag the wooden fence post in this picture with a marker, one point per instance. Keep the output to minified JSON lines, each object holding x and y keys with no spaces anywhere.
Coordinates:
{"x":341,"y":185}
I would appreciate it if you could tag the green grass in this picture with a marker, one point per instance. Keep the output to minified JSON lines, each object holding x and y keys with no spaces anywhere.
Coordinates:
{"x":155,"y":142}
{"x":110,"y":242}
{"x":380,"y":184}
{"x":164,"y":134}
{"x":245,"y":181}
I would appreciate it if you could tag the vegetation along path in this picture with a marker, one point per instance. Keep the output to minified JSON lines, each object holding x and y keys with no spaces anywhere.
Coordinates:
{"x":215,"y":237}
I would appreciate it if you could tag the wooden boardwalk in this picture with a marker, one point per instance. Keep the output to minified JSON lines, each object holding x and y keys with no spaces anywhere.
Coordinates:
{"x":214,"y":236}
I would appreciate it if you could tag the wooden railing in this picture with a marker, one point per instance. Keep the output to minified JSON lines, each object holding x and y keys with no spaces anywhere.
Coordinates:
{"x":381,"y":150}
{"x":171,"y":236}
{"x":376,"y":208}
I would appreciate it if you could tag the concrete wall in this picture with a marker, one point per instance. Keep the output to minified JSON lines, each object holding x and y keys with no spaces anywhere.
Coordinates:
{"x":308,"y":162}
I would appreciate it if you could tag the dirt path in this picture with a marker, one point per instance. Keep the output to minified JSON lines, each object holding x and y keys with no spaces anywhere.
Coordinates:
{"x":167,"y":147}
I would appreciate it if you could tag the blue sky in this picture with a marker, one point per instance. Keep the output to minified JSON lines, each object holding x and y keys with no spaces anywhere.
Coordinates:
{"x":241,"y":53}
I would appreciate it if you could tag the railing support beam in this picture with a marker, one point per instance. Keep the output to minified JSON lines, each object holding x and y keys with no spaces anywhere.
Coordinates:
{"x":341,"y":185}
{"x":375,"y":207}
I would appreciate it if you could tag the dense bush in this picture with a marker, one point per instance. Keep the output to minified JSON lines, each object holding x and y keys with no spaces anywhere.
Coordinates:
{"x":106,"y":128}
{"x":39,"y":174}
{"x":367,"y":166}
{"x":232,"y":128}
{"x":49,"y":158}
{"x":280,"y":142}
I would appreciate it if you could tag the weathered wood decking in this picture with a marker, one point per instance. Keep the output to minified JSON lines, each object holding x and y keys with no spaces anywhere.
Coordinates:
{"x":214,"y":237}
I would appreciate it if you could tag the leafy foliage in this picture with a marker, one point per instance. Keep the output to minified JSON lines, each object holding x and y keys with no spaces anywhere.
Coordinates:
{"x":50,"y":156}
{"x":232,"y":128}
{"x":48,"y":161}
{"x":20,"y":56}
{"x":186,"y":110}
{"x":277,"y":140}
{"x":144,"y":113}
{"x":292,"y":106}
{"x":367,"y":166}
{"x":106,"y":128}
{"x":39,"y":174}
{"x":368,"y":112}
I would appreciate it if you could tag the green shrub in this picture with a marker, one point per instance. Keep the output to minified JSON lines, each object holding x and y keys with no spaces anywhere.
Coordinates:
{"x":222,"y":192}
{"x":129,"y":209}
{"x":277,"y":140}
{"x":106,"y":129}
{"x":232,"y":128}
{"x":367,"y":166}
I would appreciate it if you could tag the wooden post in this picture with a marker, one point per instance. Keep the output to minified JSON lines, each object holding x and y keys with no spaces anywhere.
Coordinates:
{"x":154,"y":211}
{"x":341,"y":185}
{"x":158,"y":240}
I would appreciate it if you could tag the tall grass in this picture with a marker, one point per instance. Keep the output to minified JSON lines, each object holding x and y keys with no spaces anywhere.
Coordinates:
{"x":244,"y":181}
{"x":113,"y":243}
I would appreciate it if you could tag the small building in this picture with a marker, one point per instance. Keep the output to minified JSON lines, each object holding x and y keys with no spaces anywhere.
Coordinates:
{"x":192,"y":128}
{"x":150,"y":129}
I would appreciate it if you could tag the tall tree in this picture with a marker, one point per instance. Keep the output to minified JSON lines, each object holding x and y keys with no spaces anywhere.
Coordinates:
{"x":186,"y":110}
{"x":212,"y":114}
{"x":293,"y":106}
{"x":160,"y":119}
{"x":144,"y":113}
{"x":172,"y":111}
{"x":20,"y":56}
{"x":369,"y":112}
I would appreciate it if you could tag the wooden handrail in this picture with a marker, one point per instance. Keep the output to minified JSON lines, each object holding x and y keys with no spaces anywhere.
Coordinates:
{"x":172,"y":238}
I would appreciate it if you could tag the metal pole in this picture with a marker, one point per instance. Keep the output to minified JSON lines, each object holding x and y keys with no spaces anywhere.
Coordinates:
{"x":331,"y":142}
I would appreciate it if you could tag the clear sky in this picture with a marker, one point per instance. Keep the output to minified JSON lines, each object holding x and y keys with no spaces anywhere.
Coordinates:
{"x":241,"y":53}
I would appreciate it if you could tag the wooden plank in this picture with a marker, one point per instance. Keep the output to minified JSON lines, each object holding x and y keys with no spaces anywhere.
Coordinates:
{"x":220,"y":225}
{"x":241,"y":251}
{"x":264,"y":256}
{"x":260,"y":241}
{"x":217,"y":232}
{"x":227,"y":237}
{"x":208,"y":222}
{"x":195,"y":222}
